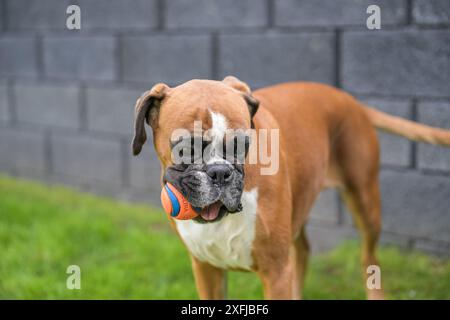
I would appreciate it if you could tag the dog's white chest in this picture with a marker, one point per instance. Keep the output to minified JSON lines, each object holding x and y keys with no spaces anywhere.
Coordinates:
{"x":226,"y":243}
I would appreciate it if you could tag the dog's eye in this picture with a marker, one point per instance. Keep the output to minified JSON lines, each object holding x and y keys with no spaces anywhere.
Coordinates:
{"x":237,"y":148}
{"x":173,"y":143}
{"x":180,"y":167}
{"x":181,"y":150}
{"x":205,"y":143}
{"x":189,"y":150}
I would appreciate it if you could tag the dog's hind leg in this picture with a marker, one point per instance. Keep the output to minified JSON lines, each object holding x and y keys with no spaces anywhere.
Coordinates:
{"x":301,"y":260}
{"x":364,"y":204}
{"x":356,"y":159}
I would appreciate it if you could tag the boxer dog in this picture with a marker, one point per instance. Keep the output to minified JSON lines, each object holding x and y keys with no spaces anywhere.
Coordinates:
{"x":256,"y":222}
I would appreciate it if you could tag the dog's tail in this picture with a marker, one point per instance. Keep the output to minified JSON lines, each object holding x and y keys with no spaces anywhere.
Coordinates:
{"x":408,"y":129}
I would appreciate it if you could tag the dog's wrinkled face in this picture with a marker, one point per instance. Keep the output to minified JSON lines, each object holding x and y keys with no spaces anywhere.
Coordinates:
{"x":199,"y":131}
{"x":209,"y":169}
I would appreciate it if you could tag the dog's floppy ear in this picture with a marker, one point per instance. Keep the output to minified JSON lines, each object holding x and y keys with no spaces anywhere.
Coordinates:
{"x":147,"y":110}
{"x":241,"y":86}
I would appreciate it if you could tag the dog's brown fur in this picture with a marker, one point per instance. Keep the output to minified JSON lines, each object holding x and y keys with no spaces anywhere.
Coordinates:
{"x":327,"y":139}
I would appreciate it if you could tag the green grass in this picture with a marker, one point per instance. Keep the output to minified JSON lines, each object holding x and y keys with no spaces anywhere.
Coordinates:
{"x":129,"y":252}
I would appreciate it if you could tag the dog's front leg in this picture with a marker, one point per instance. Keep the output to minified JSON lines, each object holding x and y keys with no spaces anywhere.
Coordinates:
{"x":210,"y":281}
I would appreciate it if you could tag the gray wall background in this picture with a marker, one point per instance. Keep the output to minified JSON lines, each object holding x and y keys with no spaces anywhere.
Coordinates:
{"x":67,"y":97}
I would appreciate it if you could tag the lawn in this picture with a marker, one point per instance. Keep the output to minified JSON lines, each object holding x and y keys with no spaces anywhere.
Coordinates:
{"x":128,"y":251}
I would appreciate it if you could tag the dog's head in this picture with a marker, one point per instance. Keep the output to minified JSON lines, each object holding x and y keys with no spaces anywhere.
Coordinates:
{"x":200,"y":133}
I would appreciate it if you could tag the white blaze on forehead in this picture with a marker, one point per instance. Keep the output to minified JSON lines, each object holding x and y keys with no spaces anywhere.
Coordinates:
{"x":219,"y":127}
{"x":217,"y":134}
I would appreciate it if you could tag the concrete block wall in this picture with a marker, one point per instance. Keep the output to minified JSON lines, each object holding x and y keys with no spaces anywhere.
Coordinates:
{"x":67,"y":97}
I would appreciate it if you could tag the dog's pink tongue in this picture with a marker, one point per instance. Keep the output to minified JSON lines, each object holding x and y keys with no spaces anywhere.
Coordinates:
{"x":211,"y":212}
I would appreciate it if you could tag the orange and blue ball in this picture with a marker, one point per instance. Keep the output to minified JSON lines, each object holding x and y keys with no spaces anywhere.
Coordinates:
{"x":175,"y":204}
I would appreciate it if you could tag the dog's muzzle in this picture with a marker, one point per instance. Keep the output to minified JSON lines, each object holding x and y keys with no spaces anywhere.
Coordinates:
{"x":215,"y":188}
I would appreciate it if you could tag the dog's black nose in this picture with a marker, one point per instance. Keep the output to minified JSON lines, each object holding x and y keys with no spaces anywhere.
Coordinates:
{"x":219,"y":173}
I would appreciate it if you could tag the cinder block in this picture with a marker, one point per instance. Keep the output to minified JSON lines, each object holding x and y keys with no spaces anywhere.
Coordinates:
{"x":42,"y":14}
{"x":395,"y":150}
{"x":119,"y":14}
{"x":2,"y":14}
{"x":431,"y":12}
{"x":416,"y":205}
{"x":84,"y":58}
{"x":87,"y":159}
{"x":324,"y":238}
{"x":18,"y":56}
{"x":407,"y":62}
{"x":439,"y":248}
{"x":326,"y":207}
{"x":300,"y":13}
{"x":436,"y":114}
{"x":4,"y":105}
{"x":390,"y":238}
{"x":215,"y":14}
{"x":111,"y":110}
{"x":171,"y":59}
{"x":47,"y":105}
{"x":22,"y":151}
{"x":99,"y":14}
{"x":263,"y":59}
{"x":145,"y":171}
